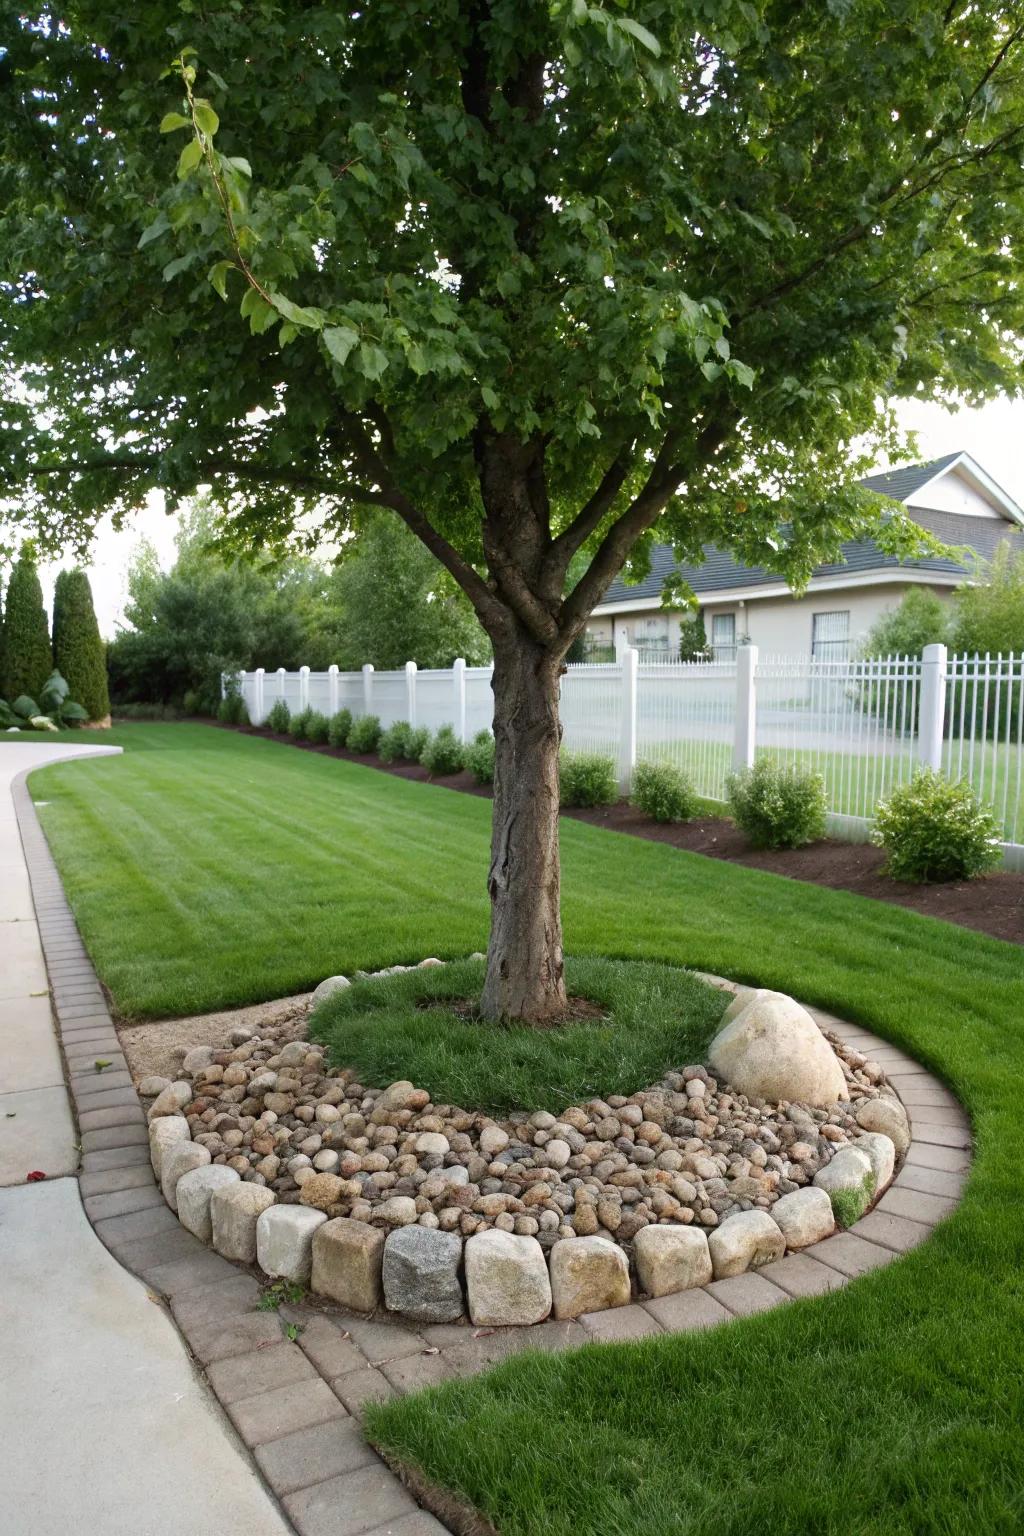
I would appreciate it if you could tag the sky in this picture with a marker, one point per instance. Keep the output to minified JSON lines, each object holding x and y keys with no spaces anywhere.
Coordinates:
{"x":992,"y":434}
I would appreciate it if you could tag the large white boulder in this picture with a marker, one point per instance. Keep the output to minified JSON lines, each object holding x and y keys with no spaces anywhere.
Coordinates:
{"x":745,"y":1241}
{"x":805,"y":1216}
{"x":770,"y":1048}
{"x":670,"y":1258}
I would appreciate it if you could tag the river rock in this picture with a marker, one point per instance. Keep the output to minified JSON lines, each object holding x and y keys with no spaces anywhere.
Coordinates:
{"x":882,"y":1152}
{"x":744,"y":1241}
{"x":888,"y":1118}
{"x":506,"y":1280}
{"x":851,"y":1168}
{"x":804,"y":1216}
{"x":671,"y":1259}
{"x":328,"y":988}
{"x":770,"y":1048}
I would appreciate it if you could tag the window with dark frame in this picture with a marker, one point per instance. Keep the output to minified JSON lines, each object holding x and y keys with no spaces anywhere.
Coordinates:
{"x":830,"y":635}
{"x":723,"y":636}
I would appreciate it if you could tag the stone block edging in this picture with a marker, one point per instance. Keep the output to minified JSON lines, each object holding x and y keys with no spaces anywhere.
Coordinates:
{"x":294,"y":1383}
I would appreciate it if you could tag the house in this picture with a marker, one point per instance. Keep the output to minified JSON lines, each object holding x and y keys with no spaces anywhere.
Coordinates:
{"x":951,"y":496}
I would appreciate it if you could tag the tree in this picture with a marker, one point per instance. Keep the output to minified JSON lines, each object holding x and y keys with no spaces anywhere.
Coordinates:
{"x":390,"y":602}
{"x":921,"y":619}
{"x":693,"y":639}
{"x":532,"y":274}
{"x":988,"y":614}
{"x":78,"y":652}
{"x":28,"y":660}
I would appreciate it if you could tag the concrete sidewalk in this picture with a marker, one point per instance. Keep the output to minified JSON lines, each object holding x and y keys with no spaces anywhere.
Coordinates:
{"x":103,"y":1421}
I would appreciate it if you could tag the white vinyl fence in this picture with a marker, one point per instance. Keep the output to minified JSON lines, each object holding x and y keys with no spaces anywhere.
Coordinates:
{"x":864,"y":725}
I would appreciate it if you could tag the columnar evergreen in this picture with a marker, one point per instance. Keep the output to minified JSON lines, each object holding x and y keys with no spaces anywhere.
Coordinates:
{"x":77,"y":647}
{"x":27,"y":658}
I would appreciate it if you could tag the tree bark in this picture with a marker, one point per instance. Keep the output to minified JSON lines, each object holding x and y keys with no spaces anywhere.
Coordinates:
{"x":525,"y":966}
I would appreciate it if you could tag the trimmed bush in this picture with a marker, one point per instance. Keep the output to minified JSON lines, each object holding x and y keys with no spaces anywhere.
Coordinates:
{"x":232,"y":708}
{"x":417,"y":744}
{"x":444,"y":752}
{"x":338,"y":727}
{"x":317,"y":727}
{"x":298,"y":725}
{"x":279,"y":717}
{"x":394,"y":742}
{"x":777,"y":807}
{"x":28,"y":660}
{"x":78,"y":652}
{"x":587,"y":778}
{"x":663,"y":792}
{"x":480,"y":757}
{"x":365,"y":734}
{"x":933,"y":829}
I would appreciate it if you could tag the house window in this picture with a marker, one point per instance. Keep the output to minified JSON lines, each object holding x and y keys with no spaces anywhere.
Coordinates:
{"x":830,"y":636}
{"x":723,"y":636}
{"x":652,"y":634}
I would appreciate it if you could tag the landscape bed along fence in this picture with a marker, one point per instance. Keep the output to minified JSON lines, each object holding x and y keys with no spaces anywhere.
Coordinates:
{"x":864,"y":724}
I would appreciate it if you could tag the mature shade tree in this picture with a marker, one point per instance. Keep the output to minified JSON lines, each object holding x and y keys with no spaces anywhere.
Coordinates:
{"x":78,"y":651}
{"x":27,"y":658}
{"x":532,"y":274}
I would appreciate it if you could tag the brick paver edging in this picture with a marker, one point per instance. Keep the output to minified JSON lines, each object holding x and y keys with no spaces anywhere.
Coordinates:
{"x":296,"y":1402}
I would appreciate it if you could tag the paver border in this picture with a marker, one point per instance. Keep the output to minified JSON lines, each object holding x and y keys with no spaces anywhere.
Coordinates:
{"x":302,"y":1424}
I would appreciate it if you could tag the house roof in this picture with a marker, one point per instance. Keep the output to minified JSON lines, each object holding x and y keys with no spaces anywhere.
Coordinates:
{"x":720,"y":572}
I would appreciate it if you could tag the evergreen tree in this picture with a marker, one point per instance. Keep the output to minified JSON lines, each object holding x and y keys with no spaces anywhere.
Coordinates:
{"x":77,"y":648}
{"x":27,"y":658}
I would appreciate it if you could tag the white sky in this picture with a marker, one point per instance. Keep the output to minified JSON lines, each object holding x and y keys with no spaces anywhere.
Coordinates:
{"x":993,"y":434}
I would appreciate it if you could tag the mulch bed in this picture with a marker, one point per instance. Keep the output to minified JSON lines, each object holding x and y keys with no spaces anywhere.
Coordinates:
{"x":992,"y":905}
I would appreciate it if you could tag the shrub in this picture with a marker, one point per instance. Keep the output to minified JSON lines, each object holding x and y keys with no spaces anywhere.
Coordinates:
{"x":317,"y":727}
{"x":150,"y":711}
{"x":663,"y":792}
{"x":232,"y":710}
{"x":54,"y":710}
{"x":191,"y":704}
{"x":28,"y":659}
{"x":394,"y":742}
{"x":444,"y":752}
{"x":279,"y":717}
{"x":587,"y":778}
{"x":417,"y":744}
{"x":298,"y":725}
{"x":78,"y":652}
{"x":933,"y":829}
{"x":338,"y":727}
{"x":365,"y":734}
{"x":777,"y":807}
{"x":480,"y":757}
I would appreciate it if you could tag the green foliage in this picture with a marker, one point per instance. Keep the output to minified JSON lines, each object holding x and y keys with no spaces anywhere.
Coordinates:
{"x":416,"y":744}
{"x":298,"y":725}
{"x":921,"y":619}
{"x":364,"y":734}
{"x":933,"y":829}
{"x":656,"y":1017}
{"x":480,"y":757}
{"x":278,"y":717}
{"x":338,"y":727}
{"x":78,"y":651}
{"x":693,"y":640}
{"x":443,"y":752}
{"x":54,"y":710}
{"x":663,"y":792}
{"x":587,"y":778}
{"x":988,"y":614}
{"x":28,"y":660}
{"x":849,"y":1205}
{"x":394,"y":742}
{"x":154,"y":711}
{"x":777,"y":807}
{"x":317,"y":728}
{"x":232,"y":707}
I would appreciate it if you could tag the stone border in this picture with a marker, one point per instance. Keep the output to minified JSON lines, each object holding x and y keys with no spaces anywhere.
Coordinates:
{"x":296,"y":1402}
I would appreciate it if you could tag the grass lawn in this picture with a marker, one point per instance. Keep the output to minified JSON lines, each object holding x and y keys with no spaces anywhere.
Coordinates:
{"x":208,"y":868}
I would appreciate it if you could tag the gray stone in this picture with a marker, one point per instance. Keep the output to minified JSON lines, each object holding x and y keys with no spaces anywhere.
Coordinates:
{"x":887,"y":1117}
{"x":671,"y":1259}
{"x":506,"y":1280}
{"x":588,"y":1274}
{"x":164,"y":1134}
{"x":493,"y":1140}
{"x":882,"y":1152}
{"x":197,"y":1059}
{"x":421,"y":1274}
{"x":178,"y":1161}
{"x":234,"y":1212}
{"x":347,"y":1260}
{"x":744,"y":1241}
{"x":328,"y":988}
{"x":770,"y":1048}
{"x":284,"y":1241}
{"x":805,"y":1217}
{"x":194,"y":1192}
{"x":153,"y":1085}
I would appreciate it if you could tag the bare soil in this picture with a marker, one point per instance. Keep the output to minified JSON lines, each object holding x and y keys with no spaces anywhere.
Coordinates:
{"x":993,"y":904}
{"x":158,"y":1047}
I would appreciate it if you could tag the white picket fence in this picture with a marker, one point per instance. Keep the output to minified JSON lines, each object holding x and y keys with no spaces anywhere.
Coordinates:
{"x":865,"y":725}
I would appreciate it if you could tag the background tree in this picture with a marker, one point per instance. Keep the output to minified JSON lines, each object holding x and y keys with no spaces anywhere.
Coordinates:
{"x":920,"y":619}
{"x":693,"y":639}
{"x":78,"y":651}
{"x":988,"y":613}
{"x":28,"y":660}
{"x":532,"y":274}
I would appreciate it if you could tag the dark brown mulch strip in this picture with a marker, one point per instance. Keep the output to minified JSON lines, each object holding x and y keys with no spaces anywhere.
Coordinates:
{"x":992,"y":905}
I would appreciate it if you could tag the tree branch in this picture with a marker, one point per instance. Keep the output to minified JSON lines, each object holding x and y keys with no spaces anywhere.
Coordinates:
{"x":588,"y":518}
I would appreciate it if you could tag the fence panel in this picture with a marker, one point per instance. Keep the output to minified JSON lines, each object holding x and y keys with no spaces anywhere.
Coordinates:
{"x":435,"y":697}
{"x":854,"y":722}
{"x":320,"y":692}
{"x":984,"y":736}
{"x":591,"y":707}
{"x":479,"y":700}
{"x":686,"y":715}
{"x":389,"y":698}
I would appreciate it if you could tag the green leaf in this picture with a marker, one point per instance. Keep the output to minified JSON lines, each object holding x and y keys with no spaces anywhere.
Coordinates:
{"x":489,"y":397}
{"x":371,"y":360}
{"x":650,"y":42}
{"x":218,"y":275}
{"x":172,"y":121}
{"x":159,"y":226}
{"x":339,"y":341}
{"x":261,"y":316}
{"x":206,"y":118}
{"x":179,"y":264}
{"x":308,"y":319}
{"x":742,"y":374}
{"x":240,"y":164}
{"x":189,"y":158}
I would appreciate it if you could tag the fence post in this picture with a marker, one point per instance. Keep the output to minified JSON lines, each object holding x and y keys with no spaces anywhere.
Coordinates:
{"x":933,"y":706}
{"x":332,"y":689}
{"x":259,"y":677}
{"x":303,"y":688}
{"x":280,"y":682}
{"x":410,"y":693}
{"x":459,"y":691}
{"x":629,"y":661}
{"x":744,"y":741}
{"x":367,"y":688}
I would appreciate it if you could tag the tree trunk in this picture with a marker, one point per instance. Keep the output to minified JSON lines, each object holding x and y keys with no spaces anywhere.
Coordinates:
{"x":525,"y":981}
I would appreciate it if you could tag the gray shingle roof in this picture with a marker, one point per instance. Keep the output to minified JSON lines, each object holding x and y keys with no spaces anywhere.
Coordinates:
{"x":719,"y":572}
